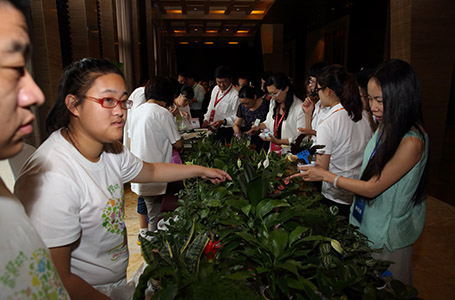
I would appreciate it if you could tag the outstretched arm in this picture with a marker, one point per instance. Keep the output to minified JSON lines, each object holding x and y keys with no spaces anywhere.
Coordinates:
{"x":166,"y":172}
{"x":408,"y":154}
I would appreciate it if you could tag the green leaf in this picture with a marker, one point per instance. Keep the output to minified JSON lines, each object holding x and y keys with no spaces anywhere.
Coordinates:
{"x":296,"y":233}
{"x":255,"y":191}
{"x":248,"y":237}
{"x":240,"y":275}
{"x":218,"y":163}
{"x":214,"y":203}
{"x":300,"y":283}
{"x":246,"y":209}
{"x":278,"y":240}
{"x":237,"y":203}
{"x":290,"y":266}
{"x":266,"y":205}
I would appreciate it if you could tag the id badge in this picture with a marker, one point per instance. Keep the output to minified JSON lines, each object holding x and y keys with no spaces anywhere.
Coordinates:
{"x":212,"y":116}
{"x":359,"y":207}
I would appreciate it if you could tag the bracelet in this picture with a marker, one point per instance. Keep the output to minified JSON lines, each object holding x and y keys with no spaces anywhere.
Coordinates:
{"x":335,"y":181}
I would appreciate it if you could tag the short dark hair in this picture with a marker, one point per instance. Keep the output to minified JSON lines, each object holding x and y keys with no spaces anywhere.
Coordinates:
{"x":187,"y":91}
{"x":77,"y":78}
{"x":160,"y":88}
{"x":249,"y":92}
{"x":223,"y":72}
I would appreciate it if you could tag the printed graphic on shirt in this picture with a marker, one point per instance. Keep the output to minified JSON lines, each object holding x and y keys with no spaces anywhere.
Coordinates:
{"x":119,"y":251}
{"x":34,"y":277}
{"x":113,"y":212}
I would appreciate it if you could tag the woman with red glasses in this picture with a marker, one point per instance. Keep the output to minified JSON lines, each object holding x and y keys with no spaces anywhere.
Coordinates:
{"x":72,"y":186}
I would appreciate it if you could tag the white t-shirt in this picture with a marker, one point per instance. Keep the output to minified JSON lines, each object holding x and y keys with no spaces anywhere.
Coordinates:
{"x":138,"y":98}
{"x":319,"y":114}
{"x":226,"y":107}
{"x":153,"y":131}
{"x":345,"y":140}
{"x":69,"y":198}
{"x":26,"y":267}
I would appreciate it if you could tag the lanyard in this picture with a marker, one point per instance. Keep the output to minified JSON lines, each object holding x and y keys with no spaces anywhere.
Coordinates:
{"x":218,"y":100}
{"x":376,"y":146}
{"x":276,"y":119}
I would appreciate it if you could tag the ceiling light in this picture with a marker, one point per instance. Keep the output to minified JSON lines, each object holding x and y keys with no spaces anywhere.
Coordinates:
{"x":257,"y":12}
{"x":233,"y":43}
{"x":211,"y":31}
{"x":217,"y":12}
{"x":179,"y":31}
{"x":174,"y":11}
{"x":195,"y":29}
{"x":227,"y":29}
{"x":242,"y":31}
{"x":209,"y":43}
{"x":183,"y":43}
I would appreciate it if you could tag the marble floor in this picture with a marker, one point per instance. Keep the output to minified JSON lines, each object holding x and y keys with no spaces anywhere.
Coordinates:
{"x":434,"y":252}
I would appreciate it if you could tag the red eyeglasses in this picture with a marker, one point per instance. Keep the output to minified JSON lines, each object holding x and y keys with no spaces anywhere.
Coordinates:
{"x":110,"y":102}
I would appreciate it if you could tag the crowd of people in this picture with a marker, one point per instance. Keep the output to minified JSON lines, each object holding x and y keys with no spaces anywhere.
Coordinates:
{"x":63,"y":230}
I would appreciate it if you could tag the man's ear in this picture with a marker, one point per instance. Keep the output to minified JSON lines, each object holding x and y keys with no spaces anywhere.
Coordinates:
{"x":286,"y":89}
{"x":72,"y":104}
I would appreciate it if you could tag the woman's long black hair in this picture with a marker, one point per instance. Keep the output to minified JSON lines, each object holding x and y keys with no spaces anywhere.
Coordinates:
{"x":401,"y":112}
{"x":77,"y":79}
{"x":344,"y":85}
{"x":281,"y":81}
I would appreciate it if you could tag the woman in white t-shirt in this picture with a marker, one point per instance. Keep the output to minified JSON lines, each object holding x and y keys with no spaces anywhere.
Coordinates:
{"x":344,"y":130}
{"x":72,"y":186}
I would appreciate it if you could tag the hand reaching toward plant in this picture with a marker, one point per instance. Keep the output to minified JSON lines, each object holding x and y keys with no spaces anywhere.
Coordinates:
{"x":215,"y":175}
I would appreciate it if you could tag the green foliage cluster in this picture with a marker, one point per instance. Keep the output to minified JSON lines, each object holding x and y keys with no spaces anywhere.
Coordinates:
{"x":278,"y":241}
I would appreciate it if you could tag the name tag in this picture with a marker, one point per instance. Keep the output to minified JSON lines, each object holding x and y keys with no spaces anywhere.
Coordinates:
{"x":212,"y":115}
{"x":359,"y":207}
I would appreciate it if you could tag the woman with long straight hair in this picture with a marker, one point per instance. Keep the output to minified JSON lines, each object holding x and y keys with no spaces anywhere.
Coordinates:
{"x":389,"y":207}
{"x":72,"y":186}
{"x":343,"y":130}
{"x":285,"y":113}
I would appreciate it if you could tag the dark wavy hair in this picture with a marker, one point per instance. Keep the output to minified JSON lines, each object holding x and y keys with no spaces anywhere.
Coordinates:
{"x":281,"y":81}
{"x":344,"y":85}
{"x":77,"y":78}
{"x":402,"y":111}
{"x":160,"y":88}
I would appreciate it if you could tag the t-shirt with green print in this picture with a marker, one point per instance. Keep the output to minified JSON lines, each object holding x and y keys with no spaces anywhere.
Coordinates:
{"x":26,"y":267}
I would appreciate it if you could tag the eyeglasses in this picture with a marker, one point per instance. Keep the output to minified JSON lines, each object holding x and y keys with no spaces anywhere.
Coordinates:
{"x":317,"y":89}
{"x":275,"y":95}
{"x":110,"y":102}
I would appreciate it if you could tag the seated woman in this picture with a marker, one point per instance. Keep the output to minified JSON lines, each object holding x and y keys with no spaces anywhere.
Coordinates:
{"x":285,"y":113}
{"x":344,"y":130}
{"x":252,"y":107}
{"x":72,"y":186}
{"x":390,"y":196}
